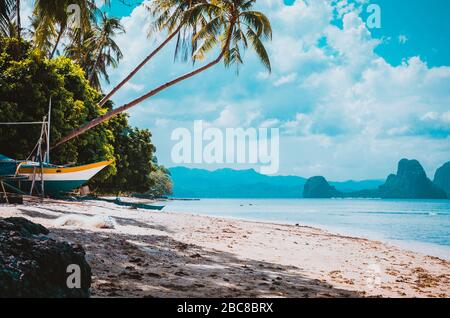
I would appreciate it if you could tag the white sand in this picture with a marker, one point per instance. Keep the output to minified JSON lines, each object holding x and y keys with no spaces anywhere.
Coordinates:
{"x":161,"y":254}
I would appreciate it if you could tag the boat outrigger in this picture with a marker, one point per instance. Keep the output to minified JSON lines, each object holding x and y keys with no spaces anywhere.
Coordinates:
{"x":39,"y":176}
{"x":28,"y":175}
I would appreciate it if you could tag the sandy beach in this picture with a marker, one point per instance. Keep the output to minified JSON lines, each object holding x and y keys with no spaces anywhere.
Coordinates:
{"x":163,"y":254}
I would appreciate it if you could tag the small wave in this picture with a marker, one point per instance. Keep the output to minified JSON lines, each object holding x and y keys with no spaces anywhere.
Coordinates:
{"x":403,"y":213}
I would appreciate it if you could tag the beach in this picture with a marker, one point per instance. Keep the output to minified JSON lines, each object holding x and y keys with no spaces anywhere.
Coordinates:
{"x":142,"y":253}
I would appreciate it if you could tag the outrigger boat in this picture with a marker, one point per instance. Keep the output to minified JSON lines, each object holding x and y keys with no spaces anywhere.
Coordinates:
{"x":26,"y":175}
{"x":39,"y":175}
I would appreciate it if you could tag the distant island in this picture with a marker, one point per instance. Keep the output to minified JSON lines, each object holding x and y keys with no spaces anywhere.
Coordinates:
{"x":319,"y":188}
{"x":442,"y":178}
{"x":410,"y":182}
{"x":230,"y":183}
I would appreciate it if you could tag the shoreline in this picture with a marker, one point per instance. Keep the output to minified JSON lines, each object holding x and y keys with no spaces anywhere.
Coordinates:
{"x":169,"y":254}
{"x":439,"y":251}
{"x":426,"y":248}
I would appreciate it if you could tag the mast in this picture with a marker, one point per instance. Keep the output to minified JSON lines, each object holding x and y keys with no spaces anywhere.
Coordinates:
{"x":47,"y":156}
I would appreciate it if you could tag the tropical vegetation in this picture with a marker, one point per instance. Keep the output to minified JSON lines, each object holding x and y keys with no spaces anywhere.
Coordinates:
{"x":68,"y":59}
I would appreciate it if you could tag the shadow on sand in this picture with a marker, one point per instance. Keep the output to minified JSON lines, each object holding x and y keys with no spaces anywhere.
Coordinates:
{"x":160,"y":266}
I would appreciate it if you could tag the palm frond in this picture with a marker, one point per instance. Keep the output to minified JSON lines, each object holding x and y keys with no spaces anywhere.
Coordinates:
{"x":259,"y":48}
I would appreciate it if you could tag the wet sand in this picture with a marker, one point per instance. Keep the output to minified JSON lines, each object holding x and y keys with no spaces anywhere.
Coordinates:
{"x":163,"y":254}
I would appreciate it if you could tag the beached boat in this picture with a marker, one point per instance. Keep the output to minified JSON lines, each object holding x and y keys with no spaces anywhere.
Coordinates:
{"x":40,"y":176}
{"x":57,"y":179}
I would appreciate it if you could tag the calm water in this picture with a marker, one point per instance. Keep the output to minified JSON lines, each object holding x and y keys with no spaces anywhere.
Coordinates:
{"x":423,"y":225}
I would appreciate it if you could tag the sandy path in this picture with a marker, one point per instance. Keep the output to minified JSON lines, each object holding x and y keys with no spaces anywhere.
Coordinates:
{"x":160,"y":254}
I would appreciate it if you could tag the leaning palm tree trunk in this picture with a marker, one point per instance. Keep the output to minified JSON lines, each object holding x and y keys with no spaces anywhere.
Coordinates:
{"x":97,"y":60}
{"x":58,"y":39}
{"x":116,"y":111}
{"x":135,"y":70}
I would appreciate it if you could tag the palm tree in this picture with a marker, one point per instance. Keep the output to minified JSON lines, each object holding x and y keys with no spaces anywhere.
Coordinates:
{"x":52,"y":21}
{"x":81,"y":48}
{"x":107,"y":50}
{"x":8,"y":13}
{"x":19,"y":26}
{"x":96,"y":49}
{"x":175,"y":16}
{"x":233,"y":26}
{"x":5,"y":8}
{"x":48,"y":15}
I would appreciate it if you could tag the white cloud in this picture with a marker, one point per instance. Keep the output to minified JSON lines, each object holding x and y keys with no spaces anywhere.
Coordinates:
{"x":285,"y":79}
{"x":344,"y":105}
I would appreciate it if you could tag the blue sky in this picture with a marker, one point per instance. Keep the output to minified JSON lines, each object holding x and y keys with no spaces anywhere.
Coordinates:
{"x":349,"y":101}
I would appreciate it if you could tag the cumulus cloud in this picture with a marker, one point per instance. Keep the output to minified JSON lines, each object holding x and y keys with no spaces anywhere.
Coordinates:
{"x":285,"y":79}
{"x":337,"y":102}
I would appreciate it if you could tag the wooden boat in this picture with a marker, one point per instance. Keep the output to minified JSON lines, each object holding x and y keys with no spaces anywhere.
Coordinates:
{"x":57,"y":179}
{"x":40,"y":176}
{"x":137,"y":205}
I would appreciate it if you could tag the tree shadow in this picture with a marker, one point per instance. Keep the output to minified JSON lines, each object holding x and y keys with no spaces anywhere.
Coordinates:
{"x":133,"y":222}
{"x":35,"y":214}
{"x":123,"y":221}
{"x":159,"y":266}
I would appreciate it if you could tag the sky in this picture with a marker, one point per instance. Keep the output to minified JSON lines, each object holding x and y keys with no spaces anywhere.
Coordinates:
{"x":350,"y":101}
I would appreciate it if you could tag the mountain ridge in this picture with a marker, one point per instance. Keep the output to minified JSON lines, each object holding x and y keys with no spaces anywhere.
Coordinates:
{"x":410,"y":182}
{"x":231,"y":183}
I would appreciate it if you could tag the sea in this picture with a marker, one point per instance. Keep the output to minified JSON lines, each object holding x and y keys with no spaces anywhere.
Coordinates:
{"x":418,"y":225}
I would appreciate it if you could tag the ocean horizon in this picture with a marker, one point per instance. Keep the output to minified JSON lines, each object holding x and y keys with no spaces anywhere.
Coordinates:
{"x":419,"y":225}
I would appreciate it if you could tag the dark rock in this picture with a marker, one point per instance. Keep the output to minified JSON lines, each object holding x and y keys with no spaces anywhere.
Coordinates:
{"x":23,"y":226}
{"x":318,"y":187}
{"x":136,"y":260}
{"x":410,"y":182}
{"x":181,"y":273}
{"x":442,"y":178}
{"x":33,"y":265}
{"x":154,"y":275}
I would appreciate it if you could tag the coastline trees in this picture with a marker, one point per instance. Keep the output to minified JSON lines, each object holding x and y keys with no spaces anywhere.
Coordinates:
{"x":106,"y":51}
{"x":28,"y":79}
{"x":201,"y":27}
{"x":51,"y":22}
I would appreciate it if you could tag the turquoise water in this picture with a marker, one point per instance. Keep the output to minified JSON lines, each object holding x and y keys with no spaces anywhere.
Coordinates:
{"x":420,"y":225}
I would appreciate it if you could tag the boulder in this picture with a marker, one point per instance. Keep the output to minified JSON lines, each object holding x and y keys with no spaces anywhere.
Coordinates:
{"x":34,"y":265}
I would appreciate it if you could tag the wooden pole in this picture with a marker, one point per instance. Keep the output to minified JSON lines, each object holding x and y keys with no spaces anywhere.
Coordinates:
{"x":47,"y":157}
{"x":4,"y":192}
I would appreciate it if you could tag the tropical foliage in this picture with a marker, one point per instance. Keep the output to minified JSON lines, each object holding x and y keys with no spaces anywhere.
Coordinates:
{"x":28,"y":80}
{"x":162,"y":184}
{"x":9,"y":19}
{"x":70,"y":62}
